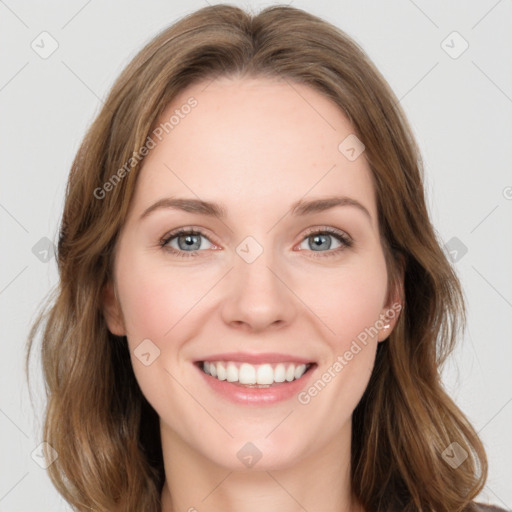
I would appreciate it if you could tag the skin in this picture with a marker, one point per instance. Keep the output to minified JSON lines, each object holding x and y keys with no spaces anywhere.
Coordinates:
{"x":255,"y":145}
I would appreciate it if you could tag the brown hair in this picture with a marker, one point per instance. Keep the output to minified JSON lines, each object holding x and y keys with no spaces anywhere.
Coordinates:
{"x":105,"y":432}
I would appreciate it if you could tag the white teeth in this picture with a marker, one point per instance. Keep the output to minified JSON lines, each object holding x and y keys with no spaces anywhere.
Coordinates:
{"x":248,"y":374}
{"x":265,"y":374}
{"x":231,"y":373}
{"x":221,"y":372}
{"x":280,"y":373}
{"x":299,"y":371}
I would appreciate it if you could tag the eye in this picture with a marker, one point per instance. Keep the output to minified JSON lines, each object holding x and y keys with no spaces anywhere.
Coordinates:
{"x":186,"y":242}
{"x":319,"y":241}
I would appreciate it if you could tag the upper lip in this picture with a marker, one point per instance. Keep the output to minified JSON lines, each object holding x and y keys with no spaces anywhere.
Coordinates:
{"x":265,"y":357}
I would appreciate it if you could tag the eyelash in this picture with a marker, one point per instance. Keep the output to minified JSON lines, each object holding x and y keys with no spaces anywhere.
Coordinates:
{"x":339,"y":235}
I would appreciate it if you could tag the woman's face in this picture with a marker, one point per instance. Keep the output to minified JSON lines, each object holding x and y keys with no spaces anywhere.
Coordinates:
{"x":260,"y":291}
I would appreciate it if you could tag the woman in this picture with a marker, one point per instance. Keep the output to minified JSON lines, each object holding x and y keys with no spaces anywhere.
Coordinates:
{"x":253,"y":305}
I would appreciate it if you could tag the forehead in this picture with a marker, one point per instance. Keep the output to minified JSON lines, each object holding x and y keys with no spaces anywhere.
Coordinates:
{"x":253,"y":143}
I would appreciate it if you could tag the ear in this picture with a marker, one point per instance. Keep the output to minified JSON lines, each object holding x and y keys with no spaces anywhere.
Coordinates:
{"x":391,"y":312}
{"x":112,"y":310}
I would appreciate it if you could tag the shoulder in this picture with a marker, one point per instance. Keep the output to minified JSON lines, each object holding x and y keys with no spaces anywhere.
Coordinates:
{"x":480,"y":507}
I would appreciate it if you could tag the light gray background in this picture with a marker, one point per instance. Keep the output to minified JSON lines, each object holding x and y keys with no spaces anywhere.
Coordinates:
{"x":460,"y":109}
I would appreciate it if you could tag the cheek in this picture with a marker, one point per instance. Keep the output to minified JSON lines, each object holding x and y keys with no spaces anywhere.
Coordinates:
{"x":158,"y":305}
{"x":350,"y":307}
{"x":156,"y":298}
{"x":350,"y":299}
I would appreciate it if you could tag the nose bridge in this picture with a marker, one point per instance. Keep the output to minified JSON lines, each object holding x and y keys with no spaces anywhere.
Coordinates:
{"x":256,"y":293}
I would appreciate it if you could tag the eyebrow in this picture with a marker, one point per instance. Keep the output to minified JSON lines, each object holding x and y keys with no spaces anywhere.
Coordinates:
{"x":299,"y":208}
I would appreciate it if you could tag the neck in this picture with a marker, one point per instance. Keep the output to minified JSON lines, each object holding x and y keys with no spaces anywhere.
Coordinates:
{"x":319,"y":481}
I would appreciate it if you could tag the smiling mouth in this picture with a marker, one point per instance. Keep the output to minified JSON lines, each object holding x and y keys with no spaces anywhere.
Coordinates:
{"x":254,"y":376}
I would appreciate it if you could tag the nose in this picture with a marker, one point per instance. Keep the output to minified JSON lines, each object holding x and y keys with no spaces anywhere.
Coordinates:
{"x":257,"y":295}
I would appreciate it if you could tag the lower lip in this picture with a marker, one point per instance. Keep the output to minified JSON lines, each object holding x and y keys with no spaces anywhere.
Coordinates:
{"x":257,"y":396}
